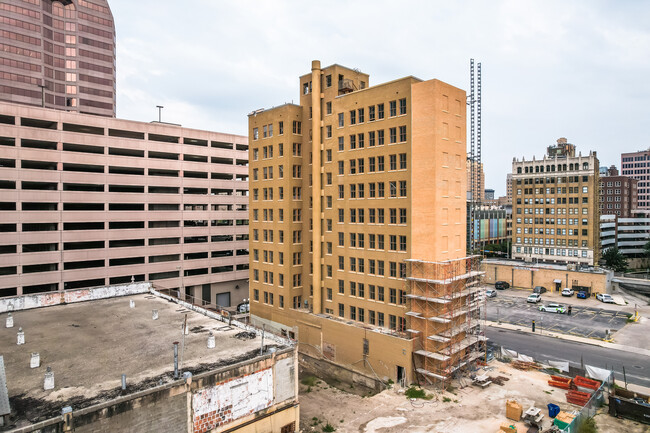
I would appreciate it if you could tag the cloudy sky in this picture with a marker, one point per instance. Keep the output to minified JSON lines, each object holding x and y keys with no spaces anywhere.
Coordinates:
{"x":550,"y":69}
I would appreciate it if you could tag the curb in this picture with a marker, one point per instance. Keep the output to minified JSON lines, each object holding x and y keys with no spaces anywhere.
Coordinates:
{"x":600,"y":343}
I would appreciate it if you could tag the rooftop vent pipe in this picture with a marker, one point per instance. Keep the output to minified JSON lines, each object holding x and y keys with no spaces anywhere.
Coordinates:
{"x":211,"y":341}
{"x":49,"y":379}
{"x":21,"y":337}
{"x":35,"y":360}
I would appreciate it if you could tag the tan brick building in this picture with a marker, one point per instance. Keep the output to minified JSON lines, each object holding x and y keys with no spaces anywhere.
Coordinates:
{"x":346,"y":187}
{"x":555,"y":207}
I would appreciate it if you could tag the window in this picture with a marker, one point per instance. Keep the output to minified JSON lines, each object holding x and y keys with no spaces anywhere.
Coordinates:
{"x":371,"y":138}
{"x":353,"y":117}
{"x":392,"y":162}
{"x":402,"y":106}
{"x":380,"y":111}
{"x":371,"y":113}
{"x":281,"y":130}
{"x":256,"y":133}
{"x":380,"y":137}
{"x":402,"y":161}
{"x":328,"y":81}
{"x":393,"y":108}
{"x":402,"y":134}
{"x":341,"y":144}
{"x":402,"y":188}
{"x":341,"y":120}
{"x":393,"y":135}
{"x":328,"y":108}
{"x":361,"y":115}
{"x":297,"y":127}
{"x":393,"y":188}
{"x":328,"y":131}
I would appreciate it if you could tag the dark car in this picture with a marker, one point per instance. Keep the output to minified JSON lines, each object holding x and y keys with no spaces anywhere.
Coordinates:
{"x":539,"y":290}
{"x":501,"y":285}
{"x":582,"y":295}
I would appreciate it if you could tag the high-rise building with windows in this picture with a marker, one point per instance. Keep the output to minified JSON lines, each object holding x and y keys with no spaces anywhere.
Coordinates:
{"x":555,"y":207}
{"x":58,"y":54}
{"x":637,"y":166}
{"x":358,"y":192}
{"x":618,"y":194}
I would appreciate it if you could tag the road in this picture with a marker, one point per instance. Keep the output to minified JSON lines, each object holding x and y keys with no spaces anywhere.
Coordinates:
{"x":637,"y":367}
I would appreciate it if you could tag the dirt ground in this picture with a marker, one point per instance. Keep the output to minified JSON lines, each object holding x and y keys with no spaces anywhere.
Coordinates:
{"x":465,"y":409}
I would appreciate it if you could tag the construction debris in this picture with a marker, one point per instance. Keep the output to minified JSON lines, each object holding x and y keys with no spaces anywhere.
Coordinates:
{"x":513,"y":410}
{"x":499,"y":380}
{"x":525,"y":365}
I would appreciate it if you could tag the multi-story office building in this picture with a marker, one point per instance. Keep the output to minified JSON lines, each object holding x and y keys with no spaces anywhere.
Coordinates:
{"x":637,"y":166}
{"x":346,"y":188}
{"x":479,"y":180}
{"x":489,"y":194}
{"x":618,"y":194}
{"x":508,"y":188}
{"x":89,"y":201}
{"x":555,"y":207}
{"x":58,"y":54}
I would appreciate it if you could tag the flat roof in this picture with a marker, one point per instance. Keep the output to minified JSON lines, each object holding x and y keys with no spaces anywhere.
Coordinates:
{"x":89,"y":345}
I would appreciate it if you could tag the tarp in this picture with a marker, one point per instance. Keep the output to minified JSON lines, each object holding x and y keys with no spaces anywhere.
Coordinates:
{"x":507,"y":353}
{"x":597,"y":373}
{"x":560,"y":365}
{"x":525,"y":358}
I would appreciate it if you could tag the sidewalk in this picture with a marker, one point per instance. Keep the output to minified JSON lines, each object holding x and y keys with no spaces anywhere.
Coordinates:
{"x":593,"y":342}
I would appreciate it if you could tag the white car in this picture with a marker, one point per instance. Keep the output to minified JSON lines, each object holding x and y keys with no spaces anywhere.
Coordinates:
{"x":604,"y":297}
{"x":567,"y":292}
{"x":534,"y":298}
{"x":553,"y":308}
{"x":490,"y":293}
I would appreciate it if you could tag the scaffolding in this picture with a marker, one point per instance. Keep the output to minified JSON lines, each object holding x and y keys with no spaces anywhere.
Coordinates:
{"x":444,"y":316}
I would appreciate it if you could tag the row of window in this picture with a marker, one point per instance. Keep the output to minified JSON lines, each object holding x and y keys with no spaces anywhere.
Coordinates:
{"x":552,"y":241}
{"x":552,"y":251}
{"x":552,"y":168}
{"x":101,"y":263}
{"x":267,"y":130}
{"x":551,"y":180}
{"x":358,"y":115}
{"x":375,"y":138}
{"x":571,"y":190}
{"x":551,"y":211}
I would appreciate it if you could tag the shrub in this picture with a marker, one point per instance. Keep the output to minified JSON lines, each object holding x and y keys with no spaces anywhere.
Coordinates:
{"x":414,"y":392}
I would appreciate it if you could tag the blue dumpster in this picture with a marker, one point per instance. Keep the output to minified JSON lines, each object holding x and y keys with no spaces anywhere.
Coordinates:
{"x":553,"y":410}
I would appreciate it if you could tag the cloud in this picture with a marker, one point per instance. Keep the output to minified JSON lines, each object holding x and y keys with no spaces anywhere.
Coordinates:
{"x":550,"y":69}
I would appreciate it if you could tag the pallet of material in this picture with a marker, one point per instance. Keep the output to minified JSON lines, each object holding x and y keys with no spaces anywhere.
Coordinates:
{"x":523,"y":365}
{"x":560,"y":382}
{"x":563,"y":419}
{"x":577,"y":397}
{"x":513,"y":410}
{"x":586,"y":383}
{"x":507,"y":428}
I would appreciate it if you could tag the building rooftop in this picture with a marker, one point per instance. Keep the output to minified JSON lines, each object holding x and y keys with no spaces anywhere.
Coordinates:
{"x":89,"y":345}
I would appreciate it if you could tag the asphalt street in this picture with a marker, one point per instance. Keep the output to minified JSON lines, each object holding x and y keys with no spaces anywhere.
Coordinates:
{"x":584,"y":321}
{"x":541,"y":348}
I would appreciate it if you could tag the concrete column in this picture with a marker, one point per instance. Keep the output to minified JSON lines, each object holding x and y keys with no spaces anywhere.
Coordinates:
{"x":316,"y":183}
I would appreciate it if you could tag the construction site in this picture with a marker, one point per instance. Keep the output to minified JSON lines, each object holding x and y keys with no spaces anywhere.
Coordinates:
{"x":444,"y":313}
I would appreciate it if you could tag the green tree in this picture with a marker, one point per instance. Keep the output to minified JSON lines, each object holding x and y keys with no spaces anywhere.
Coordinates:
{"x":615,"y":260}
{"x":646,"y":248}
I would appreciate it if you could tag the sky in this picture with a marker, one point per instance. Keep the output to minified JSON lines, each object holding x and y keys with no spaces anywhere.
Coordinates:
{"x":550,"y":69}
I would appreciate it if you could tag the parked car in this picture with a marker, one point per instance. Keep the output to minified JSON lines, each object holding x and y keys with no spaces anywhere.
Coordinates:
{"x":567,"y":292}
{"x":491,"y":293}
{"x":553,"y":308}
{"x":539,"y":290}
{"x":501,"y":285}
{"x":604,"y":297}
{"x":243,"y":307}
{"x":534,"y":298}
{"x":582,"y":295}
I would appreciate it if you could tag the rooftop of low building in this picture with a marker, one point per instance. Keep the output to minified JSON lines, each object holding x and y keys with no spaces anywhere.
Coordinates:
{"x":90,"y":345}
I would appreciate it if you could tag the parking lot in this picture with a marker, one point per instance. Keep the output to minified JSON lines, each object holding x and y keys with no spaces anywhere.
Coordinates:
{"x":584,"y":321}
